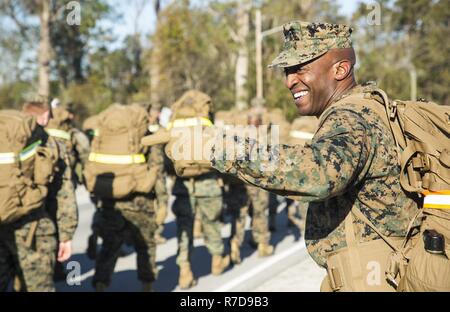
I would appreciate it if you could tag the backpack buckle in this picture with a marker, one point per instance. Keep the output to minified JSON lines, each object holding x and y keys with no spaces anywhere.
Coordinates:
{"x":421,"y":163}
{"x":336,"y":282}
{"x":393,"y":108}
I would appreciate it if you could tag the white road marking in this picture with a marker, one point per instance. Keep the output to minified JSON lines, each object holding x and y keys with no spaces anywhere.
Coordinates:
{"x":271,"y":261}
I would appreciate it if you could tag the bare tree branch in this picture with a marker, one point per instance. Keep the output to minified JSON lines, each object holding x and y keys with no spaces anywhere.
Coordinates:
{"x":10,"y":8}
{"x":233,"y":35}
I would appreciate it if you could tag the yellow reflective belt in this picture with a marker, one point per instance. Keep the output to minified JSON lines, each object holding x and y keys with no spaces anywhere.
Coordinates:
{"x":189,"y":122}
{"x":58,"y":133}
{"x":117,"y":159}
{"x":26,"y":153}
{"x":437,"y":200}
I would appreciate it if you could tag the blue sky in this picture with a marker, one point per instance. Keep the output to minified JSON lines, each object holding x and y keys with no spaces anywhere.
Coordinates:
{"x":348,"y":6}
{"x":145,"y":22}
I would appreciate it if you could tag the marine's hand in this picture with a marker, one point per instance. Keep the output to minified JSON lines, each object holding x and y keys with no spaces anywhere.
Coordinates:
{"x":65,"y":251}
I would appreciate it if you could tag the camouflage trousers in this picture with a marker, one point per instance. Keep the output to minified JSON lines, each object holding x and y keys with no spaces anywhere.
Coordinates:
{"x":159,"y":209}
{"x":209,"y":209}
{"x":159,"y":229}
{"x":126,"y":220}
{"x":273,"y":205}
{"x":34,"y":264}
{"x":297,"y":213}
{"x":240,"y":199}
{"x":51,"y":205}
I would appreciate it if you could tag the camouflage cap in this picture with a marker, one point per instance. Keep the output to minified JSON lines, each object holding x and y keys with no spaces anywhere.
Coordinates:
{"x":34,"y":97}
{"x":305,"y":41}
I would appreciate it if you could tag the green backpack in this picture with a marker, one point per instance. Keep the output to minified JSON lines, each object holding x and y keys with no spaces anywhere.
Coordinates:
{"x":59,"y":127}
{"x":60,"y":124}
{"x":184,"y":137}
{"x":422,"y":131}
{"x":190,"y":114}
{"x":25,"y":166}
{"x":422,"y":134}
{"x":117,"y":165}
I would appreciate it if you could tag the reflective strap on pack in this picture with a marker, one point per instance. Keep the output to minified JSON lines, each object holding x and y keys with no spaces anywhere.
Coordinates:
{"x":117,"y":159}
{"x":153,"y":128}
{"x":7,"y":158}
{"x":61,"y":134}
{"x":93,"y":132}
{"x":437,"y":200}
{"x":29,"y":151}
{"x":189,"y":122}
{"x":26,"y":153}
{"x":303,"y":135}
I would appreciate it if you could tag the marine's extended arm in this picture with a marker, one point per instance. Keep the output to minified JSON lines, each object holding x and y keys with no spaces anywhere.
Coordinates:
{"x":335,"y":159}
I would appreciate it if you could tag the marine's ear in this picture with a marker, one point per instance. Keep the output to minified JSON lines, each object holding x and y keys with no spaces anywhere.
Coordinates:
{"x":342,"y":69}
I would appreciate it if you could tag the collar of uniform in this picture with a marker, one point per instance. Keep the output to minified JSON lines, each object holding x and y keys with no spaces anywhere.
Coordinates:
{"x":360,"y":88}
{"x":354,"y":90}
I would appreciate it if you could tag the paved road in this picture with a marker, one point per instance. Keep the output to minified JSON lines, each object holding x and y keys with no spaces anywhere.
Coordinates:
{"x":289,"y":269}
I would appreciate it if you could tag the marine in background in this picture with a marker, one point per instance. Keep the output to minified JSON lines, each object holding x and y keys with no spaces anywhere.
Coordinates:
{"x":244,"y":200}
{"x":29,"y":236}
{"x":61,"y":198}
{"x":162,"y":196}
{"x":121,"y":175}
{"x":197,"y":187}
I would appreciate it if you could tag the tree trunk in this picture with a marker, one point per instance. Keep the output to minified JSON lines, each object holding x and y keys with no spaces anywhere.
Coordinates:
{"x":241,"y":74}
{"x":78,"y":54}
{"x":44,"y":50}
{"x":413,"y":82}
{"x":307,"y":9}
{"x":154,"y":66}
{"x":154,"y":76}
{"x":258,"y":56}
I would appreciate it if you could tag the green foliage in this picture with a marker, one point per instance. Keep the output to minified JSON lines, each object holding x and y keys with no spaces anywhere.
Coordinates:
{"x":194,"y":52}
{"x":70,"y":42}
{"x":195,"y":49}
{"x":412,"y":35}
{"x":12,"y":95}
{"x":275,"y":14}
{"x":88,"y":98}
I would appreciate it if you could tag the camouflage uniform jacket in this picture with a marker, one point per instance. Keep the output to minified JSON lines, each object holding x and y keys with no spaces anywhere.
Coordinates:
{"x":351,"y":163}
{"x":81,"y":146}
{"x":156,"y":158}
{"x":79,"y":154}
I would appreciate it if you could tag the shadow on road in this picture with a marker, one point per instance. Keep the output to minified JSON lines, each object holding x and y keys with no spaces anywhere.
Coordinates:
{"x":167,"y":281}
{"x":170,"y":230}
